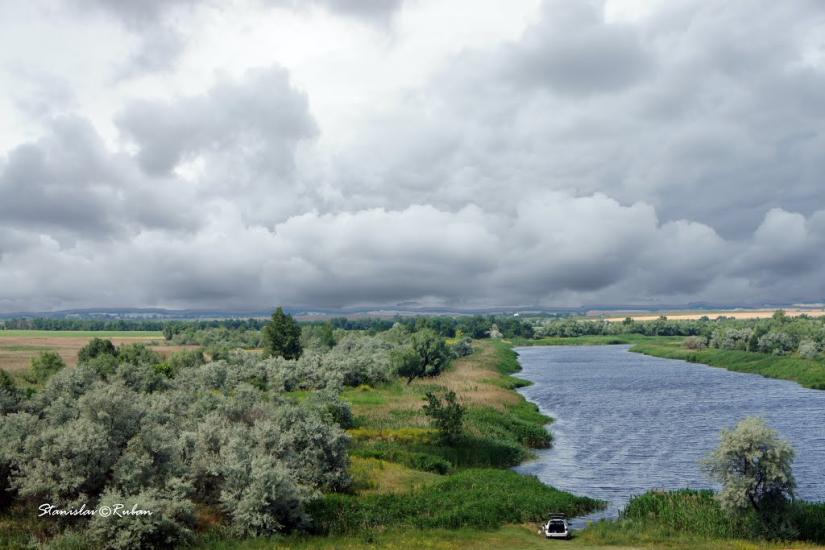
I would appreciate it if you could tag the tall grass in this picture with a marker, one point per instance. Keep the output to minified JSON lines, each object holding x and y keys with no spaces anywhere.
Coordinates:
{"x":479,"y":498}
{"x":696,"y":514}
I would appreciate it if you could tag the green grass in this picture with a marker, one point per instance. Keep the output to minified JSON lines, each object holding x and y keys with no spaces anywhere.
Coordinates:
{"x":510,"y":537}
{"x":480,"y":498}
{"x":595,"y":340}
{"x":81,"y":333}
{"x":807,"y":372}
{"x":695,"y":515}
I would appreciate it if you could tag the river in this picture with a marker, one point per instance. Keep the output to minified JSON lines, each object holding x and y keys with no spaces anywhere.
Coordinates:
{"x":626,"y":423}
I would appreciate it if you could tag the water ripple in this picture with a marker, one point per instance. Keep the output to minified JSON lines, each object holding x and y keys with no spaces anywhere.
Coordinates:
{"x":627,"y":423}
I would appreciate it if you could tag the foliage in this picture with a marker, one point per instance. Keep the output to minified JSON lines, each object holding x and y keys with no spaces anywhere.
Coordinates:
{"x":95,"y":348}
{"x":10,"y":394}
{"x":171,"y":523}
{"x":478,"y":498}
{"x":426,"y":355}
{"x":45,"y":365}
{"x":695,"y":342}
{"x":447,"y":415}
{"x":754,"y":468}
{"x":282,"y":336}
{"x":687,"y":510}
{"x":137,"y":354}
{"x":808,"y":349}
{"x":462,"y":348}
{"x":212,"y":435}
{"x":778,"y":343}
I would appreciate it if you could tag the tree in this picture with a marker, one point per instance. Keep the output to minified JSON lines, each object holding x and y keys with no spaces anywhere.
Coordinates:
{"x":95,"y":348}
{"x":754,"y":468}
{"x":426,"y":355}
{"x":447,"y":415}
{"x":45,"y":365}
{"x":282,"y":336}
{"x":407,"y":363}
{"x":327,"y":335}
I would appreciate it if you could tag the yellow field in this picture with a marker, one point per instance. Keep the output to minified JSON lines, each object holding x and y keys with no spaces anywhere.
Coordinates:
{"x":17,"y":348}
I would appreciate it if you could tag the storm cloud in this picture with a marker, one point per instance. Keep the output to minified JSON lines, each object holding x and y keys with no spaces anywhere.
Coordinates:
{"x":547,"y":153}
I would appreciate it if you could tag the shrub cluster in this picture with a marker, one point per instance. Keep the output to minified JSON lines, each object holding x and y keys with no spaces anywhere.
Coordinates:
{"x":210,"y":435}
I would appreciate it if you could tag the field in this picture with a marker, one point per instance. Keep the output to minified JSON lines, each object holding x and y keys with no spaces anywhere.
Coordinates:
{"x":735,"y":313}
{"x":18,"y":347}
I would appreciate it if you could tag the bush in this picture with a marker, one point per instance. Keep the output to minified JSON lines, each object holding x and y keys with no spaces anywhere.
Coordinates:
{"x":170,"y":524}
{"x":731,"y":338}
{"x":95,"y":348}
{"x":808,"y":349}
{"x":45,"y":365}
{"x":446,"y":415}
{"x":138,"y":354}
{"x":463,"y":347}
{"x":754,"y":468}
{"x":695,"y":342}
{"x":10,"y":394}
{"x":778,"y":343}
{"x":214,"y":434}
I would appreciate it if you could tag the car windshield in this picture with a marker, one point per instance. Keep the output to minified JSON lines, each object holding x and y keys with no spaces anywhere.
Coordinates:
{"x":556,"y":526}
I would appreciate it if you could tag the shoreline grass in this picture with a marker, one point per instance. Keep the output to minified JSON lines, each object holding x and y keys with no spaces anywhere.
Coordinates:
{"x":809,"y":373}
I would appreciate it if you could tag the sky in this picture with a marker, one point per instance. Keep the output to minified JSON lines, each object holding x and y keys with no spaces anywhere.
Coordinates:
{"x":338,"y":153}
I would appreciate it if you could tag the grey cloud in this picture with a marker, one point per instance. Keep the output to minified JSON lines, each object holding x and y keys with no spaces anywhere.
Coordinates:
{"x":605,"y":252}
{"x":573,"y":51}
{"x":68,"y":185}
{"x":135,"y":14}
{"x":380,"y":11}
{"x":260,"y":119}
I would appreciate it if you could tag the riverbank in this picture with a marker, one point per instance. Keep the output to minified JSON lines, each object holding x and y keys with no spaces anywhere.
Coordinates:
{"x":809,"y":373}
{"x":411,"y":490}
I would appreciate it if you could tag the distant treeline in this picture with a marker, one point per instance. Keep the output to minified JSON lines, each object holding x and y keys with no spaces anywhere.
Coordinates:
{"x":41,"y":323}
{"x":449,"y":327}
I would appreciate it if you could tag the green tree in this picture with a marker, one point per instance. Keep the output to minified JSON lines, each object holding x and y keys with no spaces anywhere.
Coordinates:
{"x":426,"y":355}
{"x":447,"y":415}
{"x":45,"y":365}
{"x":754,"y":468}
{"x":327,"y":335}
{"x":407,"y":363}
{"x":282,"y":336}
{"x":95,"y":348}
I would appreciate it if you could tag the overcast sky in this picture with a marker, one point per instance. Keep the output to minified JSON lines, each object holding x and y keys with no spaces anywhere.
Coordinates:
{"x":244,"y":154}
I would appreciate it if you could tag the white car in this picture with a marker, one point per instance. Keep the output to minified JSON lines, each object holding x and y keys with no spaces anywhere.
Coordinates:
{"x":557,"y":527}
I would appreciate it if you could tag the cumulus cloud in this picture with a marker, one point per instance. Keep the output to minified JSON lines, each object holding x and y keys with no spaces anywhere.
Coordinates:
{"x":669,"y":157}
{"x":256,"y":121}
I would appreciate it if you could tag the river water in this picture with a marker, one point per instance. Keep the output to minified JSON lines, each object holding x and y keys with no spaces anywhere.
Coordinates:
{"x":626,"y":423}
